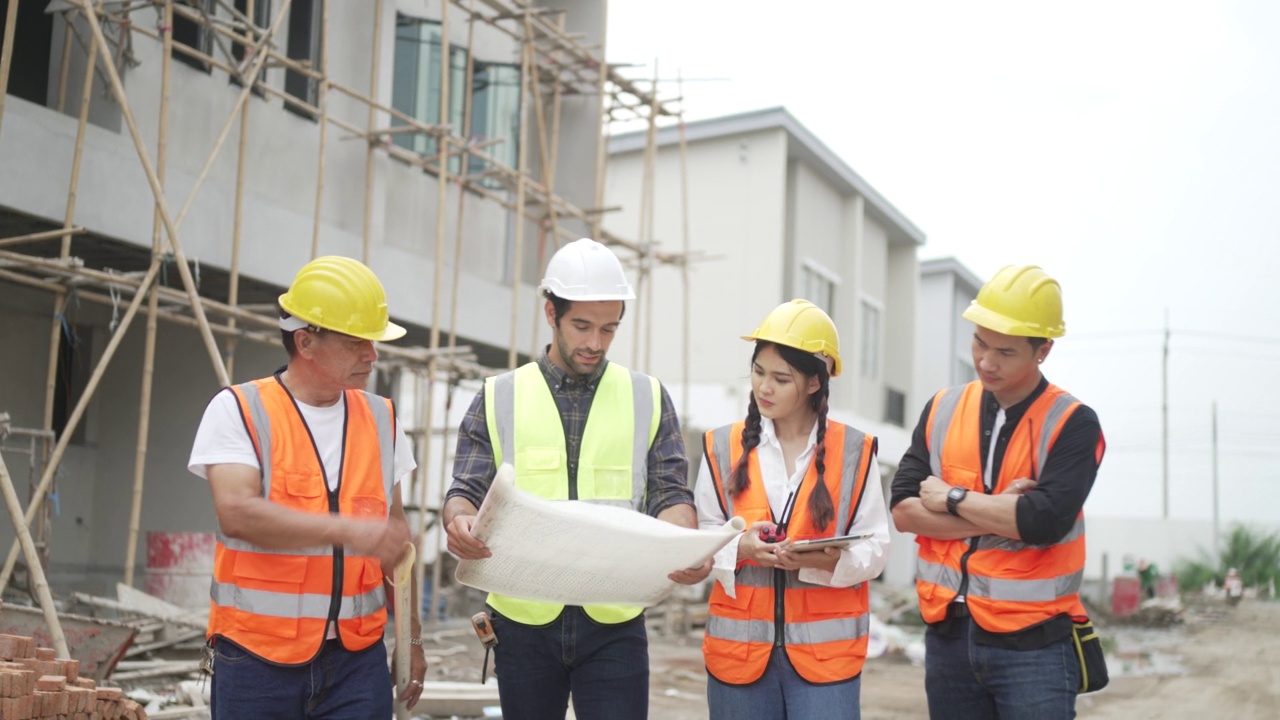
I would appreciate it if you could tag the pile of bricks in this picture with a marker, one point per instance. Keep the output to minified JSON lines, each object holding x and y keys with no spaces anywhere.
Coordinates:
{"x":36,"y":686}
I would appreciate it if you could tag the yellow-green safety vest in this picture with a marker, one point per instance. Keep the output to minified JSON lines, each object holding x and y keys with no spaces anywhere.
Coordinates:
{"x":526,"y":431}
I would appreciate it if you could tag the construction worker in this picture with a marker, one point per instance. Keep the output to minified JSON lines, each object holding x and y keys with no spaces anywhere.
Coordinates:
{"x":575,"y":427}
{"x":993,"y":486}
{"x":305,"y":469}
{"x":791,"y":473}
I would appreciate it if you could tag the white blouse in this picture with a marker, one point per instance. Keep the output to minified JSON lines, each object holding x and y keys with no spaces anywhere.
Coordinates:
{"x":861,"y":561}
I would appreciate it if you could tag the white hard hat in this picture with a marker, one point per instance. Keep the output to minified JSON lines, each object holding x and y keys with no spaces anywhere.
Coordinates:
{"x":585,"y":270}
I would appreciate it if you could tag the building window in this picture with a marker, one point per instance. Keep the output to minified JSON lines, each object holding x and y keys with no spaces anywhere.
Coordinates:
{"x":259,"y":13}
{"x":870,"y":360}
{"x":415,"y":87}
{"x":495,"y":113}
{"x":818,"y":286}
{"x":194,"y":34}
{"x":304,"y":47}
{"x":895,"y":407}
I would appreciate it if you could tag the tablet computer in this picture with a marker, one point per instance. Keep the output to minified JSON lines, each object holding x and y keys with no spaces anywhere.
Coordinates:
{"x":840,"y":541}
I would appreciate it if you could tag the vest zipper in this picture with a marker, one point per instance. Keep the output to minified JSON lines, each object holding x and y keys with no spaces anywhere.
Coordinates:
{"x":779,"y":608}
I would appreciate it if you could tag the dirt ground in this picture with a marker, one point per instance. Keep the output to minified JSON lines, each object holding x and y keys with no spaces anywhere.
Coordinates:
{"x":1219,"y":662}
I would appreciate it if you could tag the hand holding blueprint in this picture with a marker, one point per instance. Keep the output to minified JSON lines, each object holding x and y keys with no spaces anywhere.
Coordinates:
{"x":580,"y":553}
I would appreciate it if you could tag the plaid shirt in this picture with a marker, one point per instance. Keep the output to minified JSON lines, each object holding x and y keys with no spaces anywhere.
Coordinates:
{"x":473,"y":467}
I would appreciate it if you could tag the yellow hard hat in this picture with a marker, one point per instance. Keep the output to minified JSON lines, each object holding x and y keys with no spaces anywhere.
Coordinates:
{"x":804,"y":326}
{"x":1020,"y":300}
{"x":341,"y":294}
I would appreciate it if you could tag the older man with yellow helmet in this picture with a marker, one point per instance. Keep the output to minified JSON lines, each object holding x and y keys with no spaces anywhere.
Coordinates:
{"x":994,"y":486}
{"x":305,"y":468}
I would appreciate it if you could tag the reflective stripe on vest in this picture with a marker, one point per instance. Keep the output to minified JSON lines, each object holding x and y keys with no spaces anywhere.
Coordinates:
{"x":527,"y":432}
{"x":277,"y":603}
{"x":824,"y":629}
{"x":1011,"y":585}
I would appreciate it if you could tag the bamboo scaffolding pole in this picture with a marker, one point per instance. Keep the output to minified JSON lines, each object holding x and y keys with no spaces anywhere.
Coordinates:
{"x":158,"y":190}
{"x":153,"y":302}
{"x":237,"y":233}
{"x":686,"y":325}
{"x":650,"y":205}
{"x":6,"y":55}
{"x":442,"y":197}
{"x":371,"y":147}
{"x":644,"y":236}
{"x":38,"y":581}
{"x":522,"y":152}
{"x":322,"y":92}
{"x":65,"y":68}
{"x":548,"y":150}
{"x":463,"y":165}
{"x":60,"y":299}
{"x":66,"y":231}
{"x":37,"y":495}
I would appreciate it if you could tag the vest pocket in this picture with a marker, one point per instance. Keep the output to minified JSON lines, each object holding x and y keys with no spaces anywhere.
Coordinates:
{"x":605,"y":483}
{"x":961,"y":476}
{"x":541,"y":471}
{"x":305,"y":491}
{"x":269,"y":593}
{"x":830,"y":619}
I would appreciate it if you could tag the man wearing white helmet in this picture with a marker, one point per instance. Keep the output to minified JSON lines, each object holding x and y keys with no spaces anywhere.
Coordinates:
{"x":575,"y":427}
{"x":993,"y":486}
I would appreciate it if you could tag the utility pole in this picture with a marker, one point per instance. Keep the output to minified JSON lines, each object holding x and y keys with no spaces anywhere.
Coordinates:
{"x":1217,"y":551}
{"x":1164,"y":421}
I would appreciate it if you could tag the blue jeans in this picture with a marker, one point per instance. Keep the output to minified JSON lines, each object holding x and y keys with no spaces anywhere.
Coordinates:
{"x":967,"y":681}
{"x":605,"y":668}
{"x":780,"y":694}
{"x":336,"y":685}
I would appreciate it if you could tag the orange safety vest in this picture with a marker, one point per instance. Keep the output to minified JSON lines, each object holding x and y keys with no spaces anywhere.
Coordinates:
{"x":824,"y":629}
{"x":277,"y":603}
{"x":1011,"y":585}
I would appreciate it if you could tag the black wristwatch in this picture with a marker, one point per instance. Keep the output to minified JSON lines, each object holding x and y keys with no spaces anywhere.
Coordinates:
{"x":954,"y":496}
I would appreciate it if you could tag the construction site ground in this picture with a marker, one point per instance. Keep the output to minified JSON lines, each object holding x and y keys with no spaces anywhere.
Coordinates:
{"x":1217,"y":662}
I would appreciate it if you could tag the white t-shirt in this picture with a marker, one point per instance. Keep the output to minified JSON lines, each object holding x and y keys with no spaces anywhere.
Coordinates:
{"x":222,"y":438}
{"x":863,"y":560}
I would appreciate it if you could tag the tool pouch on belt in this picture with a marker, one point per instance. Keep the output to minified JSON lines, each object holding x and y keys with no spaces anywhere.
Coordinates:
{"x":1093,"y":664}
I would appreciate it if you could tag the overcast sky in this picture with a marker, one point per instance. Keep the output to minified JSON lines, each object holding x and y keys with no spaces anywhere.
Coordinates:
{"x":1130,"y":148}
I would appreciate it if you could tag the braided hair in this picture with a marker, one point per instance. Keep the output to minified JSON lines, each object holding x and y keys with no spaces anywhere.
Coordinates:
{"x":821,"y":507}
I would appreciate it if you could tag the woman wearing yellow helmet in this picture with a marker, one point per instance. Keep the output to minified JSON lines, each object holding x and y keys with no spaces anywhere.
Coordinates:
{"x":788,"y":628}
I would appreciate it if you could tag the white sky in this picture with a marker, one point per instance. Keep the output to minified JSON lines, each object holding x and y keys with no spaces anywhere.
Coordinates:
{"x":1130,"y":148}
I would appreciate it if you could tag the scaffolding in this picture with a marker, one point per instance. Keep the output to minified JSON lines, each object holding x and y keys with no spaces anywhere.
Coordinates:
{"x":554,"y":64}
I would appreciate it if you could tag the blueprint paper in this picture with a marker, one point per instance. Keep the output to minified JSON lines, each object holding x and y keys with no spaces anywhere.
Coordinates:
{"x":579,"y":553}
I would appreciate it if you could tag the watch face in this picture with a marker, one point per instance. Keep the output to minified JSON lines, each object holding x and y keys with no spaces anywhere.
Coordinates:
{"x":956,"y":493}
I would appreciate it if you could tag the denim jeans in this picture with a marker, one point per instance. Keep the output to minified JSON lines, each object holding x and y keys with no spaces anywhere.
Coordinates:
{"x":336,"y":685}
{"x":604,"y":668}
{"x":968,"y":681}
{"x":780,"y":694}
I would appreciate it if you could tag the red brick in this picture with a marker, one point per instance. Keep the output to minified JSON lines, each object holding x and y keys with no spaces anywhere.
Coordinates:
{"x":13,"y":647}
{"x":70,"y":670}
{"x":110,"y":693}
{"x":42,"y":667}
{"x":43,"y":653}
{"x":51,"y":683}
{"x":85,"y":683}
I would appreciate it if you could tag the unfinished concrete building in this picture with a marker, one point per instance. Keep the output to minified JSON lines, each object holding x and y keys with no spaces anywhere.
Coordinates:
{"x":167,"y":165}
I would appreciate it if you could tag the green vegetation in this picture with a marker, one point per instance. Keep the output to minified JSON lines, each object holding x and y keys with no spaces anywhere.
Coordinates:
{"x":1254,"y":553}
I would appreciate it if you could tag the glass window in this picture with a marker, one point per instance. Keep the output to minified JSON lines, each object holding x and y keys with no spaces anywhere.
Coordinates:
{"x":303,"y":46}
{"x":495,"y":113}
{"x":818,"y":287}
{"x":415,"y":89}
{"x":194,"y":34}
{"x":261,"y":18}
{"x":870,"y":360}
